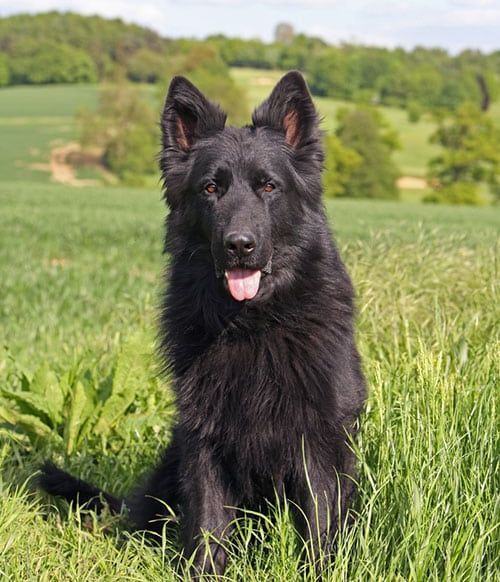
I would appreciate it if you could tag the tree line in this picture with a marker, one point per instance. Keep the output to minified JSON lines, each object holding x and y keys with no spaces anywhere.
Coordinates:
{"x":68,"y":48}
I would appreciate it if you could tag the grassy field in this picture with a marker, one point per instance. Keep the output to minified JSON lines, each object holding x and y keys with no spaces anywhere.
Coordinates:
{"x":33,"y":120}
{"x":80,"y":276}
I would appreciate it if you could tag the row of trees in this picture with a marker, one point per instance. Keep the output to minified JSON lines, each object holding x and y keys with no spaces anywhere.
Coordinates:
{"x":85,"y":49}
{"x":423,"y":77}
{"x":105,"y":45}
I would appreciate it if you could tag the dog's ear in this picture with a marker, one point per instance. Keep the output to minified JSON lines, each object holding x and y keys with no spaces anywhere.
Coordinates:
{"x":188,"y":116}
{"x":290,"y":109}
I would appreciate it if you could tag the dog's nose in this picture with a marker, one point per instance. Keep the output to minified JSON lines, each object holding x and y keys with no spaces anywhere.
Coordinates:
{"x":240,"y":244}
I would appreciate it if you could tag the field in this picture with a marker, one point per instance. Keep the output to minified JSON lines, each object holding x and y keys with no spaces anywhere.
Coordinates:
{"x":80,"y":280}
{"x":79,"y":286}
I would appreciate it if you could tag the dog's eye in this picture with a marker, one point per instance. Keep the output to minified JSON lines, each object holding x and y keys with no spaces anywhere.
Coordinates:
{"x":211,"y":188}
{"x":269,"y":187}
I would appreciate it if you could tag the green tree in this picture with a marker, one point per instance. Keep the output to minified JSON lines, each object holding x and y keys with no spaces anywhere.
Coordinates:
{"x":367,"y":133}
{"x":204,"y":67}
{"x":146,"y":66}
{"x":50,"y":62}
{"x":4,"y":71}
{"x":340,"y":163}
{"x":329,"y":75}
{"x":470,"y":156}
{"x":125,"y":128}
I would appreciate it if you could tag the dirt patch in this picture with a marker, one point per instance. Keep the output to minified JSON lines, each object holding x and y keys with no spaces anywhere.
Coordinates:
{"x":65,"y":159}
{"x":264,"y":81}
{"x":412,"y":183}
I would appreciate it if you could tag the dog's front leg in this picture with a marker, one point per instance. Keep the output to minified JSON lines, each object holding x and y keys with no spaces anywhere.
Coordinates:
{"x":208,"y":512}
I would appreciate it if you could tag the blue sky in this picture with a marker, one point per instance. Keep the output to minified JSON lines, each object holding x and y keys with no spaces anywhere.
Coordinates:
{"x":452,"y":24}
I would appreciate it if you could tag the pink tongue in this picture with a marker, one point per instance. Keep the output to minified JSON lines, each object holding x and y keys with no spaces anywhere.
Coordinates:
{"x":243,"y":283}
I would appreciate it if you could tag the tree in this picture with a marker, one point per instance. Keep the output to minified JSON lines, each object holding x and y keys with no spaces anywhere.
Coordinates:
{"x":146,"y":66}
{"x":470,"y":155}
{"x":4,"y":71}
{"x":340,"y":163}
{"x":51,"y":62}
{"x":125,"y":128}
{"x":204,"y":67}
{"x":367,"y":133}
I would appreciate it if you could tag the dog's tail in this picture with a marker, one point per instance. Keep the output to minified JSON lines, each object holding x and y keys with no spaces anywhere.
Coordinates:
{"x":57,"y":482}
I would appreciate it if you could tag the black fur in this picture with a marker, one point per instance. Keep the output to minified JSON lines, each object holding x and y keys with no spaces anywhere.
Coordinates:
{"x":268,"y":390}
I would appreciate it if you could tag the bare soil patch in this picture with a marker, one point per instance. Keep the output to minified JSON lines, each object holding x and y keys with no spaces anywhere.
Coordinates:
{"x":412,"y":183}
{"x":66,"y":158}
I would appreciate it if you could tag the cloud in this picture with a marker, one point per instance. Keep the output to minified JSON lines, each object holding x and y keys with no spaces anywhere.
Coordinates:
{"x":475,"y":3}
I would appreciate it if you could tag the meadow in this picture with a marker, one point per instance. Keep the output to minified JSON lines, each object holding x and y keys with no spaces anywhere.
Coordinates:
{"x":80,"y":277}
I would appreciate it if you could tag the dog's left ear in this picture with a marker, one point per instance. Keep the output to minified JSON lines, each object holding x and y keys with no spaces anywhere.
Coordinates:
{"x":290,"y":109}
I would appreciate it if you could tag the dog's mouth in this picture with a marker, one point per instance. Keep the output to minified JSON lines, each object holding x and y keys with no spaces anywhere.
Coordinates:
{"x":243,"y":283}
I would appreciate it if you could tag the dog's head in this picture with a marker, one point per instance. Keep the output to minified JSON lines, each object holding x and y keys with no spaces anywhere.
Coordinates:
{"x":243,"y":192}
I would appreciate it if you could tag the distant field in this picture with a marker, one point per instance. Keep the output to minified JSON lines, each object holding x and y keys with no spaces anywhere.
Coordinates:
{"x":35,"y":119}
{"x":80,"y":277}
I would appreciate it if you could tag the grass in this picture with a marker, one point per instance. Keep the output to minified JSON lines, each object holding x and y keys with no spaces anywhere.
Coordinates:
{"x":80,"y":282}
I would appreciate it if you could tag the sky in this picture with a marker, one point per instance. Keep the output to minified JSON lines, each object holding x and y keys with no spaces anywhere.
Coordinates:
{"x":451,"y":24}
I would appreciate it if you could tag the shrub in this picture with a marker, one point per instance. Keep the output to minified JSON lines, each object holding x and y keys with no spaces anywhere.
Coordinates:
{"x":414,"y":110}
{"x":125,"y":127}
{"x":458,"y":193}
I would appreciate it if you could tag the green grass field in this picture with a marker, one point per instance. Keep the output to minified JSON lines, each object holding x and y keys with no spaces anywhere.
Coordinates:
{"x":80,"y":277}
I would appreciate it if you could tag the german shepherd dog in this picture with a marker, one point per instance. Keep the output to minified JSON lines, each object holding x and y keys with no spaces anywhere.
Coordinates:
{"x":256,"y":328}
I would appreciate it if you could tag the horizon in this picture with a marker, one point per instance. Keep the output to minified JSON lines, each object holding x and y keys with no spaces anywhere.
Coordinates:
{"x":463,"y":24}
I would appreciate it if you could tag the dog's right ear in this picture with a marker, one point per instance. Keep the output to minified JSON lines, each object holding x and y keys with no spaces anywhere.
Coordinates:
{"x":188,"y":116}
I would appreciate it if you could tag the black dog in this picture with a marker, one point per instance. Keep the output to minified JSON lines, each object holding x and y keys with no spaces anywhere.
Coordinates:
{"x":257,"y":328}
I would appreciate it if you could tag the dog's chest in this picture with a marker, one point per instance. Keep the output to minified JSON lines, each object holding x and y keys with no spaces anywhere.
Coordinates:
{"x":259,"y":398}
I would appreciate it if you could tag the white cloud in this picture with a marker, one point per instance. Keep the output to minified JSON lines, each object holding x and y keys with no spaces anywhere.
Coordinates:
{"x":476,"y":3}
